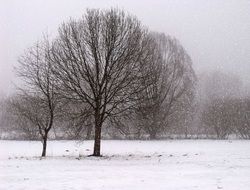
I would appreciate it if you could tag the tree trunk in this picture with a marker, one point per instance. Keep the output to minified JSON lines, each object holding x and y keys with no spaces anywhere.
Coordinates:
{"x":44,"y":145}
{"x":98,"y":129}
{"x":46,"y":132}
{"x":97,"y":145}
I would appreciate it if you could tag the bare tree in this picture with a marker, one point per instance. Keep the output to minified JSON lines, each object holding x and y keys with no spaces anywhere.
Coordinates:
{"x":172,"y":76}
{"x":98,"y":61}
{"x":217,"y":117}
{"x":216,"y":91}
{"x":39,"y":100}
{"x":240,"y":116}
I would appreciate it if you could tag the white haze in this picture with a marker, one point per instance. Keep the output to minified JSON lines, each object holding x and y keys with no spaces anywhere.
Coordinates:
{"x":215,"y":33}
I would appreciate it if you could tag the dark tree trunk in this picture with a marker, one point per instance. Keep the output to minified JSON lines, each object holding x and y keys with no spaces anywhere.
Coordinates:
{"x":98,"y":129}
{"x":97,"y":145}
{"x":44,"y":145}
{"x":46,"y":131}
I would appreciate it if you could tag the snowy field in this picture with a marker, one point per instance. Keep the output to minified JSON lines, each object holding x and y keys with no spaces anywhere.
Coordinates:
{"x":126,"y":165}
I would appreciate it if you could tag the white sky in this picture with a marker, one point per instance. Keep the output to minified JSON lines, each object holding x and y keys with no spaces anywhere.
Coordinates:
{"x":216,"y":33}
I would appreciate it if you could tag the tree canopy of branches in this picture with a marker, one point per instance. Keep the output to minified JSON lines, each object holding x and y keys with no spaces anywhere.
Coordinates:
{"x":98,"y":60}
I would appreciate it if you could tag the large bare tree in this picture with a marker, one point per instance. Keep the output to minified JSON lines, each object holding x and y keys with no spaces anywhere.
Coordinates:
{"x":98,"y":60}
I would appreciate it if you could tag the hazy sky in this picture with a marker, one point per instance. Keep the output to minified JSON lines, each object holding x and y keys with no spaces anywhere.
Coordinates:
{"x":216,"y":33}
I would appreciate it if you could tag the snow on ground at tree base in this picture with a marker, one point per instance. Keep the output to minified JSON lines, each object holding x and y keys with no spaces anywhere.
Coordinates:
{"x":126,"y":165}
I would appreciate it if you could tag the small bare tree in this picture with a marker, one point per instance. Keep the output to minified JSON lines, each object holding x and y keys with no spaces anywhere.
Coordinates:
{"x":39,"y":100}
{"x":98,"y":61}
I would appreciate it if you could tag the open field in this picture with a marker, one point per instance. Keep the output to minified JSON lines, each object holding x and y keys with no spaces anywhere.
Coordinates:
{"x":146,"y":165}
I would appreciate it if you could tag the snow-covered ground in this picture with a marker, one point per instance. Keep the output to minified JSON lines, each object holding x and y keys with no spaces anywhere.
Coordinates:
{"x":145,"y":165}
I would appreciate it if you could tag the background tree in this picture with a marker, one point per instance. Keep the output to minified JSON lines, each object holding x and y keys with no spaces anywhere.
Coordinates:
{"x":98,"y":61}
{"x":215,"y":90}
{"x":241,"y":116}
{"x":218,"y":117}
{"x":8,"y":128}
{"x":172,"y":77}
{"x":17,"y":108}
